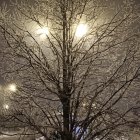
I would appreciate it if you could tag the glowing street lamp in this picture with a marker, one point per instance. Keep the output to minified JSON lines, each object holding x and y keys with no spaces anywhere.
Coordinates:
{"x":12,"y":87}
{"x":81,"y":30}
{"x":6,"y":106}
{"x":43,"y":32}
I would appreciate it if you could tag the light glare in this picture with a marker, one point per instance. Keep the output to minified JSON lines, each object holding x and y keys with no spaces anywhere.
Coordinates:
{"x":6,"y":106}
{"x":84,"y":104}
{"x":42,"y":32}
{"x":12,"y":87}
{"x":81,"y":30}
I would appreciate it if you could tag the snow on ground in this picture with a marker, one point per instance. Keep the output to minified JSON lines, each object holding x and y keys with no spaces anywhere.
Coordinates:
{"x":10,"y":136}
{"x":3,"y":137}
{"x":41,"y":138}
{"x":13,"y":136}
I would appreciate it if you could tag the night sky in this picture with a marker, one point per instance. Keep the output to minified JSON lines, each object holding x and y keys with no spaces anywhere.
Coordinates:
{"x":8,"y":2}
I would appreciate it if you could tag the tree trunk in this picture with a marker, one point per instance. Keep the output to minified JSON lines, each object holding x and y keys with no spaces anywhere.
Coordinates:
{"x":67,"y":134}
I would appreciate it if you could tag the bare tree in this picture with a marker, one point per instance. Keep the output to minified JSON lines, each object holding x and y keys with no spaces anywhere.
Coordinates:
{"x":73,"y":62}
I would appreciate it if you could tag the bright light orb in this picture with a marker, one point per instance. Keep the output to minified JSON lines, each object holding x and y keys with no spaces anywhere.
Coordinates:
{"x":43,"y":32}
{"x":12,"y":87}
{"x":6,"y":106}
{"x":84,"y":104}
{"x":81,"y":30}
